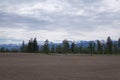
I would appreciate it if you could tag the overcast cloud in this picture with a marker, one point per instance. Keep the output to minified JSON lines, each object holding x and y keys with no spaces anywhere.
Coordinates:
{"x":58,"y":20}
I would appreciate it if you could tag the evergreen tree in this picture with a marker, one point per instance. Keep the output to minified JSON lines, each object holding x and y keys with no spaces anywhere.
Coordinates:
{"x":59,"y":49}
{"x":92,"y":47}
{"x":73,"y":47}
{"x":53,"y":49}
{"x":30,"y":45}
{"x":23,"y":47}
{"x":115,"y":47}
{"x":109,"y":45}
{"x":119,"y":45}
{"x":35,"y":45}
{"x":103,"y":47}
{"x":7,"y":50}
{"x":14,"y":50}
{"x":46,"y":47}
{"x":99,"y":47}
{"x":2,"y":49}
{"x":65,"y":46}
{"x":81,"y":48}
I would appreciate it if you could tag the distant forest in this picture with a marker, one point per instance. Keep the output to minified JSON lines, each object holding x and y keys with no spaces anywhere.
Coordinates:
{"x":94,"y":47}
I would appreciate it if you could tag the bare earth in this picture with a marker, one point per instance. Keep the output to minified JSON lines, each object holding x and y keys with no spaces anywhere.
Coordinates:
{"x":59,"y":67}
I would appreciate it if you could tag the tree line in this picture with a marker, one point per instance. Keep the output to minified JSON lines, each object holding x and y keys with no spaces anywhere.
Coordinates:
{"x":94,"y":47}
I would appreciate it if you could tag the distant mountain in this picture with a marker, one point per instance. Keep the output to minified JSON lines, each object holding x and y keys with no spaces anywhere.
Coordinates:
{"x":78,"y":43}
{"x":10,"y":46}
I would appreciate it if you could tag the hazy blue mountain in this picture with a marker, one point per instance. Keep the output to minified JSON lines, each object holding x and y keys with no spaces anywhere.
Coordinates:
{"x":78,"y":43}
{"x":10,"y":46}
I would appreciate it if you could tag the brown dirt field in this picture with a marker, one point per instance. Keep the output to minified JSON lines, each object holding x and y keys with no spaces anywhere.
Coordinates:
{"x":59,"y":67}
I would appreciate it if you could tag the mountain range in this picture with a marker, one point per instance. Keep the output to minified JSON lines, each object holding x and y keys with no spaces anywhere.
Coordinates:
{"x":17,"y":46}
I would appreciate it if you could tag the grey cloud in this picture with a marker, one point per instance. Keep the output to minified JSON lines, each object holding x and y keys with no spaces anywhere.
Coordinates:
{"x":88,"y":21}
{"x":59,"y":19}
{"x":84,"y":4}
{"x":19,"y":1}
{"x":13,"y":20}
{"x":88,"y":2}
{"x":106,"y":18}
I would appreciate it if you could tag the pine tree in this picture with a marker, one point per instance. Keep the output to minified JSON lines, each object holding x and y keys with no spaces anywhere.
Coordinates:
{"x":109,"y":45}
{"x":119,"y":45}
{"x":23,"y":47}
{"x":35,"y":45}
{"x":92,"y":47}
{"x":73,"y":47}
{"x":59,"y":49}
{"x":46,"y":47}
{"x":81,"y":48}
{"x":2,"y":49}
{"x":30,"y":45}
{"x":53,"y":49}
{"x":65,"y":46}
{"x":115,"y":47}
{"x":99,"y":47}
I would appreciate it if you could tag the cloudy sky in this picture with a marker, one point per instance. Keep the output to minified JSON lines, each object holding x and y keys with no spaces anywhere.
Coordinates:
{"x":59,"y":19}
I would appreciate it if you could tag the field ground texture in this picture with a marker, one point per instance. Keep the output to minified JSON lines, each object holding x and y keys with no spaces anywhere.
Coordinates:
{"x":59,"y":67}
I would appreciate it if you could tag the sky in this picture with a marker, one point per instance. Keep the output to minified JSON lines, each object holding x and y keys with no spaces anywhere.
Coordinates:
{"x":57,"y":20}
